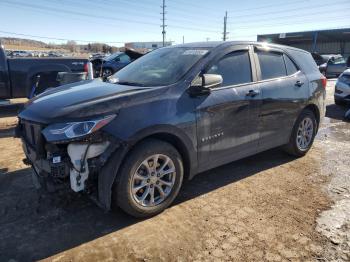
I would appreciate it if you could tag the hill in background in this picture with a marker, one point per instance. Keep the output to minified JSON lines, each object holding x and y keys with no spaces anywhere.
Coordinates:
{"x":12,"y":43}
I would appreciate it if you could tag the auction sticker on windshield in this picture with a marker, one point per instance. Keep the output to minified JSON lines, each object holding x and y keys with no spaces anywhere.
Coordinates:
{"x":195,"y":52}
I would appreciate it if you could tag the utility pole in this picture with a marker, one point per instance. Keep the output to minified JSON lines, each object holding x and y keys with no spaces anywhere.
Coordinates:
{"x":225,"y":28}
{"x":163,"y":20}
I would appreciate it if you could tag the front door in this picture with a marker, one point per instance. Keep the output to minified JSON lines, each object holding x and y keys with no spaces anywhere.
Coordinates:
{"x":227,"y":118}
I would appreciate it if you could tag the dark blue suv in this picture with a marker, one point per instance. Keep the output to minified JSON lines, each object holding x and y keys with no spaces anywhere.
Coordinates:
{"x":170,"y":115}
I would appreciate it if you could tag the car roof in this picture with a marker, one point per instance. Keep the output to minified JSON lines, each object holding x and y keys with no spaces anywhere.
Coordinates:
{"x":214,"y":44}
{"x":346,"y":72}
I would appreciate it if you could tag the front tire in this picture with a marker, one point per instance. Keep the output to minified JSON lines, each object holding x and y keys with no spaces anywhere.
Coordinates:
{"x":149,"y":179}
{"x":303,"y":134}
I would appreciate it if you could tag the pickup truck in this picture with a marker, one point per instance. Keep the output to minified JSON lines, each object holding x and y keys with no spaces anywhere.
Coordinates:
{"x":19,"y":75}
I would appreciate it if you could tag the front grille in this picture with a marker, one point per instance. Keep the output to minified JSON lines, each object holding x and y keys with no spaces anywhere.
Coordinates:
{"x":31,"y":134}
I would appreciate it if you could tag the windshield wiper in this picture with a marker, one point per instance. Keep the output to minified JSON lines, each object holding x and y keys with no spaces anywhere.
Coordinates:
{"x":127,"y":83}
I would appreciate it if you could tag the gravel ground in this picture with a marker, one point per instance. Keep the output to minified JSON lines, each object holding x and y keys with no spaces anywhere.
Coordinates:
{"x":268,"y":207}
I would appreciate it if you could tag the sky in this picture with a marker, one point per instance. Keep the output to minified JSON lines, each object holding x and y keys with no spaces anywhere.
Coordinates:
{"x":118,"y":21}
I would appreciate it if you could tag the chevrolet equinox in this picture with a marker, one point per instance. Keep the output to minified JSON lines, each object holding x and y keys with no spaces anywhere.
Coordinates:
{"x":131,"y":141}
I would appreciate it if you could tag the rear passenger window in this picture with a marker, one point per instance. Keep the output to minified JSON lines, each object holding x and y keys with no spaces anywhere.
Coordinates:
{"x":234,"y":68}
{"x":271,"y":65}
{"x":290,"y":66}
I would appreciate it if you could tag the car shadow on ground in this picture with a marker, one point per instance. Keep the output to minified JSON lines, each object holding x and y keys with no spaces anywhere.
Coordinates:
{"x":35,"y":226}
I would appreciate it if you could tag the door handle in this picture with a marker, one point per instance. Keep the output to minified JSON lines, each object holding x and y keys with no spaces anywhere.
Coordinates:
{"x":298,"y":83}
{"x":252,"y":93}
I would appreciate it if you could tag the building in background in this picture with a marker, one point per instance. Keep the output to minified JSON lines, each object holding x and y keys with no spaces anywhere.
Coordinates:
{"x":146,"y":45}
{"x":332,"y":41}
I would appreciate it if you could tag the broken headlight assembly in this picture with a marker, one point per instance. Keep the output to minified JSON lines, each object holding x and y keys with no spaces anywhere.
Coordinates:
{"x":74,"y":130}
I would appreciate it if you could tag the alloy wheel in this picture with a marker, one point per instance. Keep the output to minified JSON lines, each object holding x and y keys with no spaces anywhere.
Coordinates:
{"x":153,"y":180}
{"x":305,"y":134}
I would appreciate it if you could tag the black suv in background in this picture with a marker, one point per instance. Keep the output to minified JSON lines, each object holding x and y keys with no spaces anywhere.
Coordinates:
{"x":169,"y":115}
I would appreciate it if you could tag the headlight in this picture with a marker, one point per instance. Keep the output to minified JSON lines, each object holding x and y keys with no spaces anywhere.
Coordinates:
{"x":66,"y":131}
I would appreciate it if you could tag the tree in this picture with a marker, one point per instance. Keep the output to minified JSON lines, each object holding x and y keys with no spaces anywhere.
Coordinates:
{"x":72,"y":46}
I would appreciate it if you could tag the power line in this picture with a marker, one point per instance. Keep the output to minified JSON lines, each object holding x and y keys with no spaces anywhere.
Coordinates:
{"x":59,"y":39}
{"x":134,"y":12}
{"x":75,"y":12}
{"x":17,"y":4}
{"x":294,"y":9}
{"x":337,"y":18}
{"x":266,"y":6}
{"x":252,"y":21}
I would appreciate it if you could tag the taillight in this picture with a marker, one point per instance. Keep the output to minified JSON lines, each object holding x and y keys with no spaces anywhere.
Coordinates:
{"x":86,"y":68}
{"x":324,"y":82}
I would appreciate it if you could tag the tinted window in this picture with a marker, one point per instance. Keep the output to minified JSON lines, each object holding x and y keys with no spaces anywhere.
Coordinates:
{"x":234,"y":68}
{"x":304,"y":61}
{"x":291,"y":68}
{"x":271,"y":65}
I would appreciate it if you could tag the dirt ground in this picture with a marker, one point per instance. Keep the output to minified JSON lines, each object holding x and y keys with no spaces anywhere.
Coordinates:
{"x":268,"y":207}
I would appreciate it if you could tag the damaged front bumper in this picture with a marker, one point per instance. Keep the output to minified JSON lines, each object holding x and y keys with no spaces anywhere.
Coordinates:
{"x":74,"y":164}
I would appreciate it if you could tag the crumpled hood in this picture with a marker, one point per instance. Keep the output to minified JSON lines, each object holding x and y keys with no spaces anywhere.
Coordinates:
{"x":78,"y":100}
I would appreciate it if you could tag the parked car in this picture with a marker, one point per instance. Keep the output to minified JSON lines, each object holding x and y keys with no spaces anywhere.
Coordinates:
{"x":97,"y":56}
{"x":20,"y":54}
{"x":107,"y":66}
{"x":342,"y":88}
{"x":335,"y":65}
{"x":319,"y":59}
{"x":18,"y":76}
{"x":171,"y":114}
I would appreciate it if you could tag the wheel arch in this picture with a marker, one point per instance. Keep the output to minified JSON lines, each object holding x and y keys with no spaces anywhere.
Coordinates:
{"x":175,"y":137}
{"x":177,"y":143}
{"x":313,"y":108}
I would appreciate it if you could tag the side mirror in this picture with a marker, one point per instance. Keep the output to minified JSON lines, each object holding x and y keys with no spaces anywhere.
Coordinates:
{"x":202,"y":84}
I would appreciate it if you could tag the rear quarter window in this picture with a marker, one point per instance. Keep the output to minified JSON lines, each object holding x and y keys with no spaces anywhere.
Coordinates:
{"x":304,"y":61}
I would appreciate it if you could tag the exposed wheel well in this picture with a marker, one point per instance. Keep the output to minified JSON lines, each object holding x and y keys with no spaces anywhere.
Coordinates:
{"x":313,"y":108}
{"x":175,"y":142}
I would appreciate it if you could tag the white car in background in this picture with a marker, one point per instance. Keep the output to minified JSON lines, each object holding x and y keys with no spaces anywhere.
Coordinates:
{"x":342,"y":88}
{"x":20,"y":54}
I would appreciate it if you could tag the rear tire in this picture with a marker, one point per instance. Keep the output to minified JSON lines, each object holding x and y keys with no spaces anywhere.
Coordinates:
{"x":303,"y":134}
{"x":149,"y":180}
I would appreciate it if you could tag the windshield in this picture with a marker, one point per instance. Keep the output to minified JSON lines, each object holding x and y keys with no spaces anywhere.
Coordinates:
{"x":161,"y":67}
{"x":339,"y":60}
{"x":112,"y":56}
{"x":336,"y":60}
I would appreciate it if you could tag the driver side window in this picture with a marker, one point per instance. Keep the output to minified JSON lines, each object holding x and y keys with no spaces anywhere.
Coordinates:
{"x":234,"y":68}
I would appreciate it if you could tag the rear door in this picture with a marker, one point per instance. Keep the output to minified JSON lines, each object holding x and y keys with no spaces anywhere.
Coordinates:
{"x":227,"y":119}
{"x":284,"y":90}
